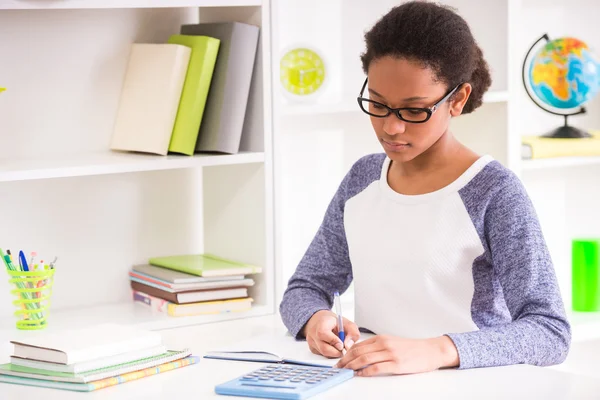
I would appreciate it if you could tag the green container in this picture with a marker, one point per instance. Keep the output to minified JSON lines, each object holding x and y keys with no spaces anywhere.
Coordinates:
{"x":32,"y":290}
{"x":586,"y":275}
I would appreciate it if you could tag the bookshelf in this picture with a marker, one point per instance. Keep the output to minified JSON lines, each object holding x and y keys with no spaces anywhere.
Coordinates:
{"x":562,"y":162}
{"x":332,"y":133}
{"x":65,"y":194}
{"x":102,"y":163}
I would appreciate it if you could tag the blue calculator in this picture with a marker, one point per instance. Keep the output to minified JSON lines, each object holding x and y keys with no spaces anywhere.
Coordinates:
{"x":285,"y":382}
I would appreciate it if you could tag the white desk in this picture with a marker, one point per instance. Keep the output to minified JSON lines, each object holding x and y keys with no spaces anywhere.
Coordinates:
{"x":198,"y":381}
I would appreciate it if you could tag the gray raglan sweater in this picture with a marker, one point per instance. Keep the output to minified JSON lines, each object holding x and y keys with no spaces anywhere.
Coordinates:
{"x":468,"y":261}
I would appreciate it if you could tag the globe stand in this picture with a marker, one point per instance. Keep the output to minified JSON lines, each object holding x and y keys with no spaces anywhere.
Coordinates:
{"x":566,"y":131}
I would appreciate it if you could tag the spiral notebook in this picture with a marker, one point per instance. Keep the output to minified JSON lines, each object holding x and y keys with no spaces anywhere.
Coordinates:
{"x":266,"y":349}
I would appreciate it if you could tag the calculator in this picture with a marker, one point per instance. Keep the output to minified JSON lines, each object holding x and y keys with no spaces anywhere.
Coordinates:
{"x":285,"y":382}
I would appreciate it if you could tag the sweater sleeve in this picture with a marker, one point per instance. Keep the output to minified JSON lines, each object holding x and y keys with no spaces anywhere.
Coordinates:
{"x":539,"y":333}
{"x":324,"y":269}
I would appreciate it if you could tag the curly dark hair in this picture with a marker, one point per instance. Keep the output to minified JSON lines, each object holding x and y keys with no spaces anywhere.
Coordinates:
{"x":436,"y":36}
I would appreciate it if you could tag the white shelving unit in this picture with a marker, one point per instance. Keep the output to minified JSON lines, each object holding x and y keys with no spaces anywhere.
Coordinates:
{"x":332,"y":133}
{"x":559,"y":162}
{"x":102,"y":163}
{"x":64,"y":193}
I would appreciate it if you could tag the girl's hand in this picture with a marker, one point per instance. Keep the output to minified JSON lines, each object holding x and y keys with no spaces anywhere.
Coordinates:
{"x":382,"y":355}
{"x":322,"y":334}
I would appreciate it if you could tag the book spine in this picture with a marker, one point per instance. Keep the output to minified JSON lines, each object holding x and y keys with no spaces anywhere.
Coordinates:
{"x":153,"y":302}
{"x":132,"y":376}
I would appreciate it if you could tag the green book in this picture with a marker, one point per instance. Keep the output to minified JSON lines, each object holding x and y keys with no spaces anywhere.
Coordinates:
{"x":195,"y":91}
{"x":204,"y":265}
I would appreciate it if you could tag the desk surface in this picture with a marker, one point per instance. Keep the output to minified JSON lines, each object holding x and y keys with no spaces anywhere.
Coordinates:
{"x":198,"y":381}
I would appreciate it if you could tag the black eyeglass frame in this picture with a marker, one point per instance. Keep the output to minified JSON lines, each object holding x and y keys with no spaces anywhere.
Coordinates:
{"x":396,"y":111}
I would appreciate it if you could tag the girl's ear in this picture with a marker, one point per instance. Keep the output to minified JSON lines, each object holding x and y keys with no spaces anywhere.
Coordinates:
{"x":460,"y":99}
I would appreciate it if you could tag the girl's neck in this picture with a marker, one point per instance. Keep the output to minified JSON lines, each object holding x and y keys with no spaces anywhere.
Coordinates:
{"x":442,"y":153}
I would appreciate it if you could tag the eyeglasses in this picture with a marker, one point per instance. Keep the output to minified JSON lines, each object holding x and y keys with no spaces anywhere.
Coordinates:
{"x":415,"y":115}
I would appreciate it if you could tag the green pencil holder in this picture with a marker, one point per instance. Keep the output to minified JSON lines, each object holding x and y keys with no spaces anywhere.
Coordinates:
{"x":32,"y":290}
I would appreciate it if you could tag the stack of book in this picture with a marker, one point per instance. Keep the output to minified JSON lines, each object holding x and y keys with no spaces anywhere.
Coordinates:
{"x":188,"y":285}
{"x":93,"y":358}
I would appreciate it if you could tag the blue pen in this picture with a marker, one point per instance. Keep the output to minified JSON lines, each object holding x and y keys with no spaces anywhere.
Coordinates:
{"x":340,"y":320}
{"x":23,"y":261}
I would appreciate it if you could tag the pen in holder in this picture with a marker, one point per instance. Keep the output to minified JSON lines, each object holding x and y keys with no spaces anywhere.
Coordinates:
{"x":33,"y":290}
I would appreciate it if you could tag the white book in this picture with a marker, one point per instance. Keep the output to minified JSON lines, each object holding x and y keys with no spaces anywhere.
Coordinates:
{"x":85,"y":344}
{"x":90,"y":365}
{"x":150,"y":97}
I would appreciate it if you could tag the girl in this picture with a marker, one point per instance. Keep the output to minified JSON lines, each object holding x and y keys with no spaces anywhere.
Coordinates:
{"x":449,"y":264}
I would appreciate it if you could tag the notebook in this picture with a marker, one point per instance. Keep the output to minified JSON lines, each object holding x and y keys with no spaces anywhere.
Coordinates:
{"x":191,"y":297}
{"x":266,"y":349}
{"x":150,"y":97}
{"x":91,"y":365}
{"x":94,"y":375}
{"x":104,"y":383}
{"x":177,"y":277}
{"x":204,"y":265}
{"x":183,"y":287}
{"x":85,"y":344}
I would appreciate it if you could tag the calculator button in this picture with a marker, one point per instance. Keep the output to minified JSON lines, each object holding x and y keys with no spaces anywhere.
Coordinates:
{"x":311,"y":381}
{"x":279,"y":379}
{"x":296,"y":380}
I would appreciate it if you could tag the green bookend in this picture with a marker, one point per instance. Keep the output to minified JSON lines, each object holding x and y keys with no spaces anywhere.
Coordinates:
{"x":195,"y":91}
{"x":586,"y":275}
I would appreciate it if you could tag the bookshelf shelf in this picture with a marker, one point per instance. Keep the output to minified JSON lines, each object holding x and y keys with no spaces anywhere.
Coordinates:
{"x":559,"y":162}
{"x":585,"y":325}
{"x":103,"y":163}
{"x":128,"y":313}
{"x":92,"y":4}
{"x":497,"y":96}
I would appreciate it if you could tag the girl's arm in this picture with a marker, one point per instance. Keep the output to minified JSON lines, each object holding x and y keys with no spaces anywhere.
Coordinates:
{"x":517,"y":254}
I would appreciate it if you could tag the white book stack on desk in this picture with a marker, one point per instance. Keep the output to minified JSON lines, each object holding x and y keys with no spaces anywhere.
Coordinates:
{"x":91,"y":358}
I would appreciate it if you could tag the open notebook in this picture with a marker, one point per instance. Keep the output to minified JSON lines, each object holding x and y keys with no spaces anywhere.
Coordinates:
{"x":265,"y":349}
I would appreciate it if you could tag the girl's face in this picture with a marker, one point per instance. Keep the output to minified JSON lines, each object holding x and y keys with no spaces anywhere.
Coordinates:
{"x":399,"y":83}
